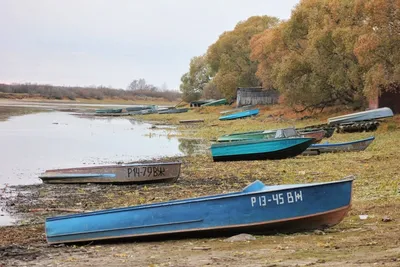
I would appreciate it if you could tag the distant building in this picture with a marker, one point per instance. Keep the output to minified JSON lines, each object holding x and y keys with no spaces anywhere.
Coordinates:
{"x":386,"y":99}
{"x":256,"y":96}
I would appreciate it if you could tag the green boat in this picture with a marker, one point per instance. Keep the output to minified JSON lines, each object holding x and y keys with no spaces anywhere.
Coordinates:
{"x":257,"y":135}
{"x":112,"y":110}
{"x":216,"y":103}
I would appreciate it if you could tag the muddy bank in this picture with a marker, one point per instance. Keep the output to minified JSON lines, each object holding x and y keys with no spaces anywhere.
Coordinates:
{"x":353,"y":242}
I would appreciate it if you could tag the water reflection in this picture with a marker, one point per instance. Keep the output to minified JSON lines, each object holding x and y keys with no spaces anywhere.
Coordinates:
{"x":193,"y":146}
{"x":36,"y":142}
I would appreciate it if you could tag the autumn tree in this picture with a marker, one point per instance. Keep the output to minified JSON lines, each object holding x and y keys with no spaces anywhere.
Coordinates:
{"x":310,"y":58}
{"x":229,"y":56}
{"x":377,"y":48}
{"x":194,"y":81}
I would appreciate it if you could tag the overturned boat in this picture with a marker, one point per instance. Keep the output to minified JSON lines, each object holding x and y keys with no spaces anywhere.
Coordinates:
{"x":257,"y":209}
{"x":120,"y":173}
{"x":240,"y":115}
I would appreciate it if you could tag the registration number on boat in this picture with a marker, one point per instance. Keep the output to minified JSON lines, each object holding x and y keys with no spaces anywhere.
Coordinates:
{"x":154,"y":171}
{"x":277,"y":199}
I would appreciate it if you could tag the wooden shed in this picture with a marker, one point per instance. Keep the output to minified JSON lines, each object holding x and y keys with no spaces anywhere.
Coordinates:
{"x":256,"y":96}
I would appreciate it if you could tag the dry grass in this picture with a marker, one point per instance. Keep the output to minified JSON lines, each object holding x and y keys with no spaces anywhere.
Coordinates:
{"x":353,"y":242}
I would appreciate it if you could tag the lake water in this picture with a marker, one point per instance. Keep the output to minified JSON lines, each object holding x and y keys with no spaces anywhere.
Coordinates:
{"x":32,"y":143}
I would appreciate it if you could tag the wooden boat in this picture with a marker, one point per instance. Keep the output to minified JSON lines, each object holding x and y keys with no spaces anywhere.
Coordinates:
{"x":122,"y":114}
{"x":238,"y":109}
{"x":257,"y":209}
{"x":357,"y":145}
{"x":260,"y":149}
{"x":122,"y":173}
{"x":144,"y":111}
{"x":368,"y":115}
{"x":137,"y":108}
{"x":329,"y":131}
{"x":192,"y":121}
{"x":199,"y":103}
{"x":216,"y":102}
{"x":112,"y":110}
{"x":239,"y":115}
{"x":318,"y":135}
{"x":258,"y":135}
{"x":173,"y":110}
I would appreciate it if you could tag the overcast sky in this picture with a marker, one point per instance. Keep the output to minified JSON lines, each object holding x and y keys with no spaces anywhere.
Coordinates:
{"x":112,"y":42}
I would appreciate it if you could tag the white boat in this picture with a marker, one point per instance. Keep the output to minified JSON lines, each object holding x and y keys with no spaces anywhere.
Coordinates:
{"x":373,"y":114}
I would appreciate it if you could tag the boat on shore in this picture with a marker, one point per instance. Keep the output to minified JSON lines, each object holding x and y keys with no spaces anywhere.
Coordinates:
{"x":199,"y":103}
{"x":110,"y":110}
{"x":120,"y":173}
{"x":318,"y":135}
{"x":277,"y":148}
{"x":357,"y":145}
{"x":144,"y":111}
{"x":137,"y":108}
{"x":218,"y":102}
{"x":242,"y":108}
{"x":173,"y":110}
{"x":257,"y":209}
{"x":258,"y":135}
{"x":240,"y":115}
{"x":368,"y":115}
{"x":191,"y":121}
{"x":329,"y":131}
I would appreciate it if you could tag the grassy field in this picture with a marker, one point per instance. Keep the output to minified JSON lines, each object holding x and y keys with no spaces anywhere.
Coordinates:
{"x":353,"y":242}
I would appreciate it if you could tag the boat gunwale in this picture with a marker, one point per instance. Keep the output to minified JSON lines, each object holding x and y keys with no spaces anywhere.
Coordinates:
{"x":245,"y":142}
{"x":201,"y":199}
{"x":115,"y":166}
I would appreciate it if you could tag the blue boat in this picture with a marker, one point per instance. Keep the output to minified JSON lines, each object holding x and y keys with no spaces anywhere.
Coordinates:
{"x":260,"y":149}
{"x":257,"y":209}
{"x":239,"y":115}
{"x":358,"y":145}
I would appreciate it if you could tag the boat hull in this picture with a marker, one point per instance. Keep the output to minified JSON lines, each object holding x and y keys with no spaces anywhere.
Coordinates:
{"x":267,"y":209}
{"x":260,"y":150}
{"x":172,"y":111}
{"x":191,"y":121}
{"x":124,"y":173}
{"x":318,"y":135}
{"x":130,"y":109}
{"x":118,"y":110}
{"x":373,"y":114}
{"x":216,"y":103}
{"x":358,"y":145}
{"x":239,"y":115}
